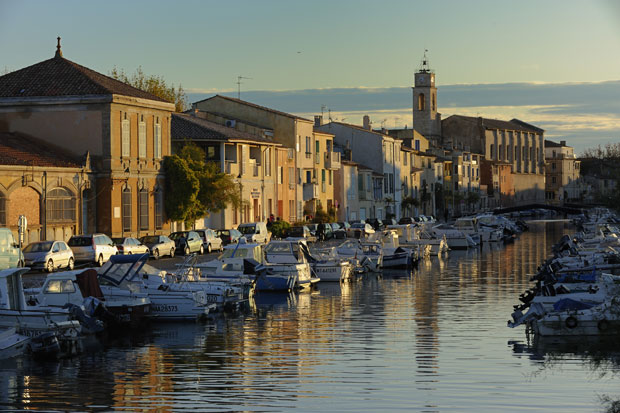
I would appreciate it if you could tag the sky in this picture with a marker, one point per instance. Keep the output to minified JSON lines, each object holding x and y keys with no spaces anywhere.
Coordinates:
{"x":551,"y":63}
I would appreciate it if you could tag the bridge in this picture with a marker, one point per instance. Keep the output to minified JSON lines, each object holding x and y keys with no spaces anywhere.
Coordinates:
{"x":566,"y":208}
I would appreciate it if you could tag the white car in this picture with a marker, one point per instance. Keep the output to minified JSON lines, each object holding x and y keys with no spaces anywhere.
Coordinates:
{"x":210,"y":240}
{"x":130,"y":245}
{"x":48,"y":255}
{"x":159,"y":245}
{"x":97,"y":248}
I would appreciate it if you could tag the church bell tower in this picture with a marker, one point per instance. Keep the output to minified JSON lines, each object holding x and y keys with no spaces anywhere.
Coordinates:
{"x":426,"y":120}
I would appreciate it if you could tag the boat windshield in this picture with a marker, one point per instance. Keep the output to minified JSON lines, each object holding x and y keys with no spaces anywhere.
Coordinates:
{"x":39,"y":246}
{"x":278,"y":248}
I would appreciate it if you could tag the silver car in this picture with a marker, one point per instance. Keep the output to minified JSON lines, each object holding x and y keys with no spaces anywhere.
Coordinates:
{"x":130,"y":245}
{"x":159,"y":245}
{"x":97,"y":248}
{"x":49,"y":255}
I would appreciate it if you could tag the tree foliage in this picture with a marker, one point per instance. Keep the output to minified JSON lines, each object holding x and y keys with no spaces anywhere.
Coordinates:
{"x":279,"y":228}
{"x":195,"y":188}
{"x":153,"y":84}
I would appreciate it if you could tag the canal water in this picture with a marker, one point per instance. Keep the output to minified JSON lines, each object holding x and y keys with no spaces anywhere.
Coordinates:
{"x":433,"y":340}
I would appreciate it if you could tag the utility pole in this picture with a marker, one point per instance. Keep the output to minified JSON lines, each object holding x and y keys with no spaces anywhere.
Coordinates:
{"x":239,"y":85}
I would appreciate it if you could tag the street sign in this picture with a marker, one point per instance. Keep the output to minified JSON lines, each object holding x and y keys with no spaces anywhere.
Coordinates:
{"x":255,"y":194}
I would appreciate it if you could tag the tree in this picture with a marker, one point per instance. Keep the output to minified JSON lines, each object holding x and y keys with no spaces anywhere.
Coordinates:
{"x":195,"y":188}
{"x":409,"y":203}
{"x":153,"y":84}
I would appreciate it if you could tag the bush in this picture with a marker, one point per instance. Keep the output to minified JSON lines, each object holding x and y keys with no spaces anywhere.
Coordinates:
{"x":279,"y":228}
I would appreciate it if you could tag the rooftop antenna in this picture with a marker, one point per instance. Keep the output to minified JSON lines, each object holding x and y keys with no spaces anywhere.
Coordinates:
{"x":329,"y":114}
{"x":383,"y":123}
{"x":239,"y":85}
{"x":323,"y":107}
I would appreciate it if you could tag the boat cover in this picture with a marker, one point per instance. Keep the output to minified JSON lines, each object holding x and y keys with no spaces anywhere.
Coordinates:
{"x":89,"y":284}
{"x":570,"y":304}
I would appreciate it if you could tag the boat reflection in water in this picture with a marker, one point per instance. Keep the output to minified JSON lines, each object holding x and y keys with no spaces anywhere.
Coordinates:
{"x":435,"y":340}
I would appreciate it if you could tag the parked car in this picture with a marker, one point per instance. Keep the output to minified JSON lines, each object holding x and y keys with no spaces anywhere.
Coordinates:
{"x":360,"y":230}
{"x":130,"y":245}
{"x":210,"y":240}
{"x":48,"y":255}
{"x":228,"y":236}
{"x":406,"y":220}
{"x":345,"y":226}
{"x":97,"y":248}
{"x":255,"y":232}
{"x":10,"y":254}
{"x":312,"y":228}
{"x":187,"y":242}
{"x":339,"y":232}
{"x":159,"y":245}
{"x":300,"y":232}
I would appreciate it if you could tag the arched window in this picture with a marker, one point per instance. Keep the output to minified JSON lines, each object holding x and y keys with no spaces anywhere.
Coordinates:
{"x":143,"y":199}
{"x":434,"y":104}
{"x":421,"y":102}
{"x":60,"y":206}
{"x":126,"y":201}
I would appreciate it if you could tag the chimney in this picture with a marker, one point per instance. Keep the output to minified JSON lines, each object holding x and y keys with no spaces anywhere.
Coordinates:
{"x":318,"y":120}
{"x":366,"y":122}
{"x":562,"y":143}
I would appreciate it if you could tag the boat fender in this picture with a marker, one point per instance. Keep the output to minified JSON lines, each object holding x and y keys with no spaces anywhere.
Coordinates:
{"x":571,"y":322}
{"x":603,"y":325}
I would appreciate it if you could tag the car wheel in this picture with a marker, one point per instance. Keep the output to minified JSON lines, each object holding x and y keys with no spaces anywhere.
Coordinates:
{"x":49,"y":267}
{"x":208,"y":248}
{"x":186,"y":251}
{"x":202,"y":249}
{"x":156,"y":253}
{"x":71,"y":264}
{"x":171,"y":252}
{"x":100,"y":260}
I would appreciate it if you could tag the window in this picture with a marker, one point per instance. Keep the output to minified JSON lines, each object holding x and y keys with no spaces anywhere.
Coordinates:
{"x":417,"y":145}
{"x":317,"y":152}
{"x":291,"y":177}
{"x":126,"y":137}
{"x":143,"y":199}
{"x":60,"y":206}
{"x":330,"y":177}
{"x":433,"y":102}
{"x":405,"y":159}
{"x":421,"y":101}
{"x":159,"y":209}
{"x":491,"y":150}
{"x":268,"y":162}
{"x":142,"y":138}
{"x":126,"y":207}
{"x":2,"y":210}
{"x":157,"y":139}
{"x":280,"y":175}
{"x":308,"y":147}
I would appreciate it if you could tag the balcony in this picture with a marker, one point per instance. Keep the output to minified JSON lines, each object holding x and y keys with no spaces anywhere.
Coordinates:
{"x":311,"y":191}
{"x":332,"y":160}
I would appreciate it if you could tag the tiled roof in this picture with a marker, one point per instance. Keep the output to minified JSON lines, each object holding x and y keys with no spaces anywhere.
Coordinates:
{"x":243,"y":102}
{"x":61,"y":77}
{"x":551,"y":144}
{"x":190,"y":127}
{"x":361,"y":128}
{"x":17,"y":149}
{"x":514,"y":124}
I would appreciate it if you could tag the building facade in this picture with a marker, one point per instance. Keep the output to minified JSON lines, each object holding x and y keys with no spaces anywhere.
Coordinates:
{"x":562,"y":174}
{"x":124,"y":131}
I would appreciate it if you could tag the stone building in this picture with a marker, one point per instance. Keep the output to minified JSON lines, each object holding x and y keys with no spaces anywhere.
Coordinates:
{"x":426,"y":119}
{"x":313,"y":154}
{"x":515,"y":142}
{"x":249,"y":157}
{"x":125,"y":130}
{"x":562,"y":173}
{"x":45,"y":184}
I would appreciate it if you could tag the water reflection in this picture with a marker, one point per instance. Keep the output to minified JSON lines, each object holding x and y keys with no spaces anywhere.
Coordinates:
{"x":430,"y":340}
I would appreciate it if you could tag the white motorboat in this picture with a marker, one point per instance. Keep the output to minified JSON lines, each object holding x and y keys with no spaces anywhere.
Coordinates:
{"x":599,"y":320}
{"x":457,"y":240}
{"x":369,"y":255}
{"x":12,"y":343}
{"x":34,"y":320}
{"x":414,"y":236}
{"x":331,"y":268}
{"x":168,"y":302}
{"x":290,"y":257}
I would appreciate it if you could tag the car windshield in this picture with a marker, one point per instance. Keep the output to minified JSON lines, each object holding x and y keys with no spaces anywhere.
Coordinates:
{"x":149,"y":240}
{"x":80,"y":242}
{"x":39,"y":247}
{"x":249,"y":229}
{"x":118,"y":240}
{"x":177,"y":235}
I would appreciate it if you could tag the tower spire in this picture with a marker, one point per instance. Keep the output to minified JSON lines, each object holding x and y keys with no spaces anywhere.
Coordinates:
{"x":425,"y":67}
{"x":58,"y":51}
